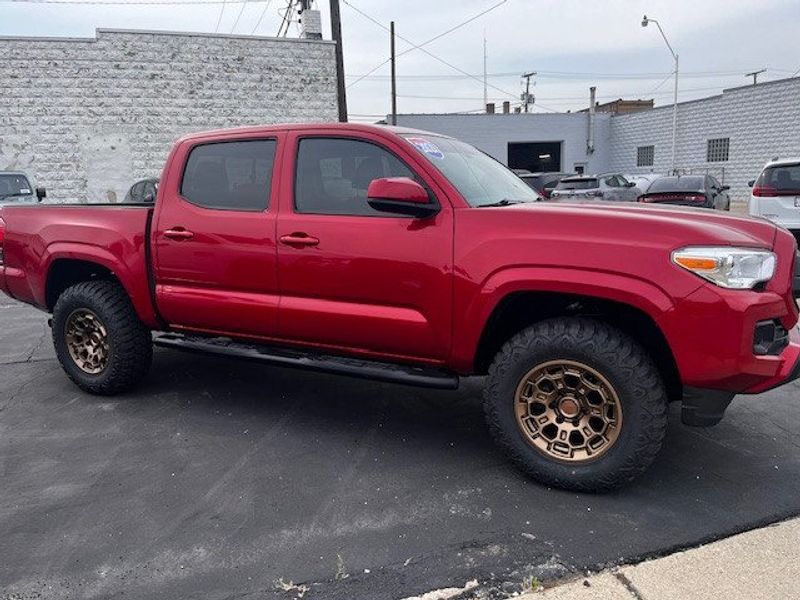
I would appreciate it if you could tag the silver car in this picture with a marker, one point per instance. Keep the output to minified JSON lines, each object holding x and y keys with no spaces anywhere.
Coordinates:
{"x":611,"y":187}
{"x":16,"y":188}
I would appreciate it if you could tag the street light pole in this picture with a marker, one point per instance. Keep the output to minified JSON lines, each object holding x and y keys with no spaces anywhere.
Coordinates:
{"x":645,"y":22}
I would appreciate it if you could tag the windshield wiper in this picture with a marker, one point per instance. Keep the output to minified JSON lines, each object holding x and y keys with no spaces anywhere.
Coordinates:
{"x":503,"y":202}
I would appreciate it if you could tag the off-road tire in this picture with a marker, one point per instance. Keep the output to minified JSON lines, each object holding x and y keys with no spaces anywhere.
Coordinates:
{"x":130,"y":343}
{"x":621,"y":360}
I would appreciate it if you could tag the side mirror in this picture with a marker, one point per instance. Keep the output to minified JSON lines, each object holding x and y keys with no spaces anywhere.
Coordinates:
{"x":630,"y":184}
{"x":724,"y":188}
{"x":41,"y":193}
{"x":400,"y":195}
{"x":751,"y":183}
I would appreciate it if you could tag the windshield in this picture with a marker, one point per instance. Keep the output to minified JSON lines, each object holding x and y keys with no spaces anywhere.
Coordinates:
{"x":577,"y":184}
{"x":479,"y":178}
{"x":677,"y":184}
{"x":14,"y":185}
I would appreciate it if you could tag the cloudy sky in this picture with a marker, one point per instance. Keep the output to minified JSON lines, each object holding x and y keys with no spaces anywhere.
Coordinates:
{"x":572,"y":44}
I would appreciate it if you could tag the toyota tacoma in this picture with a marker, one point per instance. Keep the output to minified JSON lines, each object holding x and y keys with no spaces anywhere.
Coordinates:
{"x":411,"y":257}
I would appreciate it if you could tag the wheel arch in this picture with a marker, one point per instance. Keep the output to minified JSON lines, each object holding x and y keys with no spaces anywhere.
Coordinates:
{"x":522,"y":308}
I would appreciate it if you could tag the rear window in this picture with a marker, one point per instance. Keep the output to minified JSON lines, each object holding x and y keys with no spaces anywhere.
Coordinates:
{"x":781,"y":178}
{"x":677,"y":184}
{"x":577,"y":184}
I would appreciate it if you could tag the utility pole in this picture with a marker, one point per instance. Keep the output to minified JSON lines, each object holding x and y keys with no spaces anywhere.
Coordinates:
{"x":526,"y":97}
{"x":394,"y":77}
{"x":755,"y":75}
{"x":485,"y":76}
{"x":336,"y":35}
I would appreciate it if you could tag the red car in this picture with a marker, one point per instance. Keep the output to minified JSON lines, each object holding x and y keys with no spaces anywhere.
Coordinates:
{"x":411,"y":257}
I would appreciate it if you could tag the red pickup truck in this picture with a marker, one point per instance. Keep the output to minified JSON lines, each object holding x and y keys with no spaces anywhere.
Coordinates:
{"x":411,"y":257}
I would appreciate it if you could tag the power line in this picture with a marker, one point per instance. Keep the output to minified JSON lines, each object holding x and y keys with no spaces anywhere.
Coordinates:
{"x":239,"y":16}
{"x":441,"y":60}
{"x":219,"y":19}
{"x":425,"y":43}
{"x":261,"y":17}
{"x":574,"y":75}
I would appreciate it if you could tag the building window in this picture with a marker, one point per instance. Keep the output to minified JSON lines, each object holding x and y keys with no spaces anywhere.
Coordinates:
{"x":717,"y":150}
{"x":645,"y":156}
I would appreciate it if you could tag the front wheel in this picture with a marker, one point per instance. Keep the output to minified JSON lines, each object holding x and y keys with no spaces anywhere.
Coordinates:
{"x":577,"y":404}
{"x":99,"y":340}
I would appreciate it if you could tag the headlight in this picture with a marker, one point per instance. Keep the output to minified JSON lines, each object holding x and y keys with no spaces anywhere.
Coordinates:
{"x":734,"y":268}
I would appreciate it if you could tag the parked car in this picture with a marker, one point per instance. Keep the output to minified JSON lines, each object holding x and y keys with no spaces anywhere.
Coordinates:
{"x":776,"y":194}
{"x":142,"y":192}
{"x":543,"y":183}
{"x":16,"y":188}
{"x":701,"y":191}
{"x":610,"y":186}
{"x":642,"y":181}
{"x":411,"y":257}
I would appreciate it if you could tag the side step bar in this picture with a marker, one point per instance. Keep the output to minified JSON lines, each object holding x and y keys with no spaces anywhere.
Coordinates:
{"x":366,"y":369}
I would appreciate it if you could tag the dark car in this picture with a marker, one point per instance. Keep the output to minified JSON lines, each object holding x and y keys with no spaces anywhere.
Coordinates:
{"x":702,"y":191}
{"x":142,"y":192}
{"x":543,"y":183}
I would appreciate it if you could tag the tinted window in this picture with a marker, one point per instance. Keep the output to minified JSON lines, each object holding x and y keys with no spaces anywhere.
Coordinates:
{"x":677,"y":184}
{"x":14,"y":185}
{"x":577,"y":184}
{"x":230,"y":175}
{"x":782,"y":178}
{"x":333,"y":175}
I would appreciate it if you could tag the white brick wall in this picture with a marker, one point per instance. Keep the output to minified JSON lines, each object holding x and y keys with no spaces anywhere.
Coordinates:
{"x":761,"y":121}
{"x":87,"y":117}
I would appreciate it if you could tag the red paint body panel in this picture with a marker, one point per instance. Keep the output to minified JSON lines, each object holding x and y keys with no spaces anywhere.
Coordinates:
{"x":405,"y":289}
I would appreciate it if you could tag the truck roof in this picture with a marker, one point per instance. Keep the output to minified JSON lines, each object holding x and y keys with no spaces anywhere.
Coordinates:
{"x":259,"y":129}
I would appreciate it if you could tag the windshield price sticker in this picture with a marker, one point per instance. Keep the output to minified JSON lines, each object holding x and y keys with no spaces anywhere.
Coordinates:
{"x":25,"y":191}
{"x":427,"y":147}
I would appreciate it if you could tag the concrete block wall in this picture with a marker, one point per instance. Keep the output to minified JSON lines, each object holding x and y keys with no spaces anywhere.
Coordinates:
{"x":761,"y":121}
{"x":87,"y":117}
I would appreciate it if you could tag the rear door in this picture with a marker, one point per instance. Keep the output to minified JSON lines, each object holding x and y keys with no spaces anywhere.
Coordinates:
{"x":214,"y":238}
{"x":353,"y":278}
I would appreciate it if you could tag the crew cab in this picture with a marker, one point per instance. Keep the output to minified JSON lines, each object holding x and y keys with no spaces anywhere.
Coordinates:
{"x":412,"y":257}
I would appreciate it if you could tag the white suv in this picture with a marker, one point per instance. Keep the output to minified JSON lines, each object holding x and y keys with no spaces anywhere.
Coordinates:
{"x":776,"y":194}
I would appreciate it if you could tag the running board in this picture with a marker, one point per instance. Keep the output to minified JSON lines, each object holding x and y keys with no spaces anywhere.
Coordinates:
{"x":286,"y":357}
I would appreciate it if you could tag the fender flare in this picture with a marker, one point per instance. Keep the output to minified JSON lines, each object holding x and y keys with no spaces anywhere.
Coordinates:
{"x":138,"y":293}
{"x":643,"y":295}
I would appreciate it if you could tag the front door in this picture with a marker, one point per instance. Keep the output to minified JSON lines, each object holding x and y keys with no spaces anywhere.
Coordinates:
{"x":214,"y":239}
{"x":353,"y":278}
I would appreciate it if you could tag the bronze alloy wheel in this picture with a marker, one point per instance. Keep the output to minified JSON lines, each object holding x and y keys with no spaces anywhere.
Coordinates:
{"x":87,"y":341}
{"x":568,"y":411}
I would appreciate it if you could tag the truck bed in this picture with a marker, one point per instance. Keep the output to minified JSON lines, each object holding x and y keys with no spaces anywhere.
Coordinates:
{"x":113,"y":235}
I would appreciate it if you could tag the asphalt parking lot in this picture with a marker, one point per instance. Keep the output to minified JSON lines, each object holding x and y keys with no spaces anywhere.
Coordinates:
{"x":222,"y":479}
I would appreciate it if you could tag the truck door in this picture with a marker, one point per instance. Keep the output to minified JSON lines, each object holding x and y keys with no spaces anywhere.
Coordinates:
{"x":352,"y":277}
{"x":214,"y":238}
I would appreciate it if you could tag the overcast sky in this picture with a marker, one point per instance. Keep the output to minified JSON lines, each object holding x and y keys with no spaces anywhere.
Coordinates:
{"x":572,"y":44}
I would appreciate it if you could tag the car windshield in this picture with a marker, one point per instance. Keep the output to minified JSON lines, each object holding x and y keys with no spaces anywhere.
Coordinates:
{"x":586,"y":183}
{"x":14,"y":185}
{"x":677,"y":184}
{"x":479,"y":178}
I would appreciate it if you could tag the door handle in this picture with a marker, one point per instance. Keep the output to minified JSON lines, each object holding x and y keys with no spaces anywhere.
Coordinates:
{"x":298,"y":239}
{"x":178,"y":233}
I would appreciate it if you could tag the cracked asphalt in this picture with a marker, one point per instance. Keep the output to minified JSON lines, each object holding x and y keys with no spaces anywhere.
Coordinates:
{"x":222,"y":479}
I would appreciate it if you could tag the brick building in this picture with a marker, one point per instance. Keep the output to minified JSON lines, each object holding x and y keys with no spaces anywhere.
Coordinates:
{"x":730,"y":135}
{"x":87,"y":117}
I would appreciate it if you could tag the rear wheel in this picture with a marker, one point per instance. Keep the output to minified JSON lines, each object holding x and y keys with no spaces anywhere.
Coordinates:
{"x":99,"y":340}
{"x":577,"y":404}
